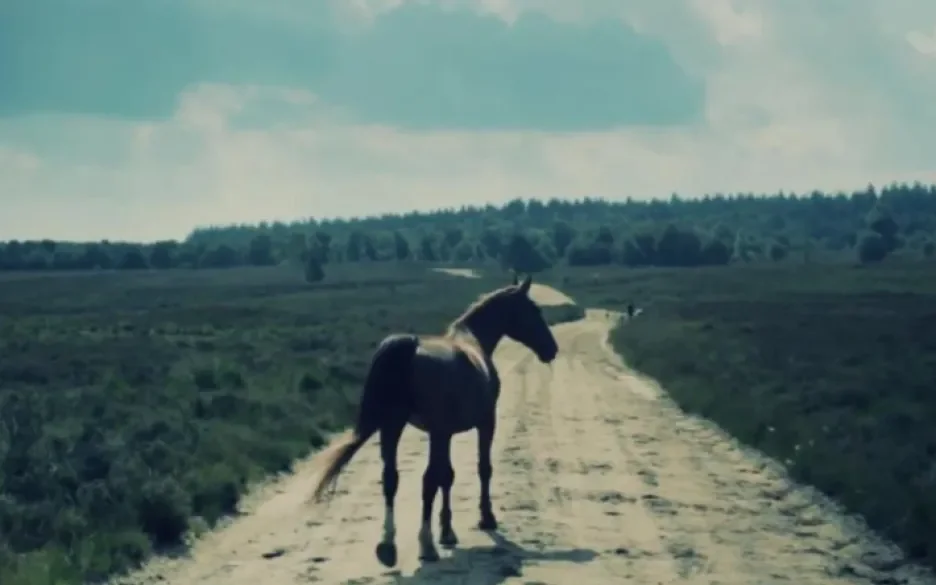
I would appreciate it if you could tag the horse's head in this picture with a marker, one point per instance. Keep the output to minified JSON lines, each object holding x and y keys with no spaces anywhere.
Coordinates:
{"x":523,"y":321}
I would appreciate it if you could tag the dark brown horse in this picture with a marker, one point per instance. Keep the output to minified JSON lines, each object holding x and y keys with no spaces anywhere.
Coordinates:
{"x":442,"y":385}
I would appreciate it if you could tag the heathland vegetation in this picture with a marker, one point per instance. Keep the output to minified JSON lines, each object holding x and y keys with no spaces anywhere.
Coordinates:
{"x":143,"y":386}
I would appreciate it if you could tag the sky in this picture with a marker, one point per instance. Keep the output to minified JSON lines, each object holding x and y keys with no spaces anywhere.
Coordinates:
{"x":141,"y":120}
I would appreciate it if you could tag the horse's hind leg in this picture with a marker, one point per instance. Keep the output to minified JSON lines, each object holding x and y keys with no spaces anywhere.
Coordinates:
{"x":433,"y":478}
{"x":389,"y":440}
{"x":485,"y":470}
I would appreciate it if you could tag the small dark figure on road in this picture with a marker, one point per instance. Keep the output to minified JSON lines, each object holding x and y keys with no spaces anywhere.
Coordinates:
{"x":630,"y":310}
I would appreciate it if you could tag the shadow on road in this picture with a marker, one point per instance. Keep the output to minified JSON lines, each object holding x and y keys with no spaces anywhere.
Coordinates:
{"x":489,"y":565}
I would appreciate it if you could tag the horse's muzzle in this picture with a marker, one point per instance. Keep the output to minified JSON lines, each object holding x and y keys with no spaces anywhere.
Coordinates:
{"x":549,"y":355}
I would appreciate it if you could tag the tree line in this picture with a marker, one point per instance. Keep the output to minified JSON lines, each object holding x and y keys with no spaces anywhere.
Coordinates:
{"x":531,"y":235}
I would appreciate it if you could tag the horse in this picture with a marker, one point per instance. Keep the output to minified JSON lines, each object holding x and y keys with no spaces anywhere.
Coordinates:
{"x":443,"y":385}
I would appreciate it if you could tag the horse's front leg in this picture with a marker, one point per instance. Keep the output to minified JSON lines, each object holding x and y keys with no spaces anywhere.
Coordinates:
{"x":485,"y":470}
{"x":447,"y":537}
{"x":389,"y":440}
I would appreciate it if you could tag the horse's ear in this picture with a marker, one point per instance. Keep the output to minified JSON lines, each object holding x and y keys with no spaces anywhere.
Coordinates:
{"x":525,"y":287}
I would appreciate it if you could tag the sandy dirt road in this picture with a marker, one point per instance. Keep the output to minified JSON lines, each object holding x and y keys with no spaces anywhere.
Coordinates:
{"x":597,"y":478}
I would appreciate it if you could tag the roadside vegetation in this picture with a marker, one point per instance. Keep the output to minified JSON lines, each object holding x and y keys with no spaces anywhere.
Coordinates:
{"x":137,"y":407}
{"x":827,"y":369}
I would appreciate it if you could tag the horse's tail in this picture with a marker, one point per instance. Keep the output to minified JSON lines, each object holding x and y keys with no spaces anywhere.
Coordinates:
{"x":384,"y":392}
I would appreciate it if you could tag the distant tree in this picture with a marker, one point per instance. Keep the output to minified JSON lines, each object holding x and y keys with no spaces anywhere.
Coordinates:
{"x":521,"y":256}
{"x":588,"y":254}
{"x":313,"y":268}
{"x":220,"y":257}
{"x":881,"y":221}
{"x":368,"y":248}
{"x":872,"y":248}
{"x":929,"y":249}
{"x":678,"y":247}
{"x":452,"y":237}
{"x":573,"y":231}
{"x":647,"y":245}
{"x":401,"y":247}
{"x":632,"y":255}
{"x":716,"y":252}
{"x":297,"y":248}
{"x":353,"y":247}
{"x":778,"y":252}
{"x":427,"y":249}
{"x":260,"y":252}
{"x":604,"y":236}
{"x":96,"y":256}
{"x":133,"y":259}
{"x":562,"y":236}
{"x":324,"y":241}
{"x":492,"y":242}
{"x":160,"y":256}
{"x":463,"y":252}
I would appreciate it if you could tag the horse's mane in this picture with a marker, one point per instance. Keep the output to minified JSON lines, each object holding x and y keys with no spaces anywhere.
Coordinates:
{"x":479,"y":304}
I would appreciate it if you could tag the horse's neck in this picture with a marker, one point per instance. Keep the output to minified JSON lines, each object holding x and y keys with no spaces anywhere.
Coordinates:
{"x":476,"y":332}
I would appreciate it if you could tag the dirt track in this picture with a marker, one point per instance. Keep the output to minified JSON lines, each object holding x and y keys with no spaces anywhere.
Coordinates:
{"x":597,"y":478}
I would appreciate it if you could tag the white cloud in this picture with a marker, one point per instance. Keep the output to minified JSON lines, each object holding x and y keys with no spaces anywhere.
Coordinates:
{"x":779,"y":116}
{"x":924,"y":43}
{"x":730,"y":25}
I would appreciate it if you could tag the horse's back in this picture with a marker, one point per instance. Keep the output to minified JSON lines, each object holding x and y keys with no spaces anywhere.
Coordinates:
{"x":453,"y":385}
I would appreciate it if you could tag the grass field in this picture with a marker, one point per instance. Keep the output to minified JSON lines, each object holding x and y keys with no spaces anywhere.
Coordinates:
{"x":828,"y":369}
{"x":137,"y":407}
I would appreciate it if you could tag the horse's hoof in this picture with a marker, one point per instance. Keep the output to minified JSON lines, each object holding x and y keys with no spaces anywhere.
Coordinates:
{"x":487,"y":523}
{"x":448,"y":540}
{"x":429,"y":555}
{"x":386,"y":554}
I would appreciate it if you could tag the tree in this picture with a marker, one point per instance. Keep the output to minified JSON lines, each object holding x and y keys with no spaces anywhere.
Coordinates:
{"x":521,"y":256}
{"x":492,"y":242}
{"x":463,"y":252}
{"x":604,"y":236}
{"x":324,"y":241}
{"x":221,"y":257}
{"x":427,"y":249}
{"x":678,"y":247}
{"x":401,"y":247}
{"x":588,"y":254}
{"x":778,"y":252}
{"x":929,"y":249}
{"x":452,"y":237}
{"x":260,"y":252}
{"x":873,"y":248}
{"x":160,"y":256}
{"x":367,"y":246}
{"x":313,"y":268}
{"x":133,"y":259}
{"x":353,"y":247}
{"x":881,"y":221}
{"x":716,"y":252}
{"x":562,"y":235}
{"x":297,"y":248}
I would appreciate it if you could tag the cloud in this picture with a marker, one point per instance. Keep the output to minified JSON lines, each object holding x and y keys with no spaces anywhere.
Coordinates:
{"x":797,"y":95}
{"x":419,"y":65}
